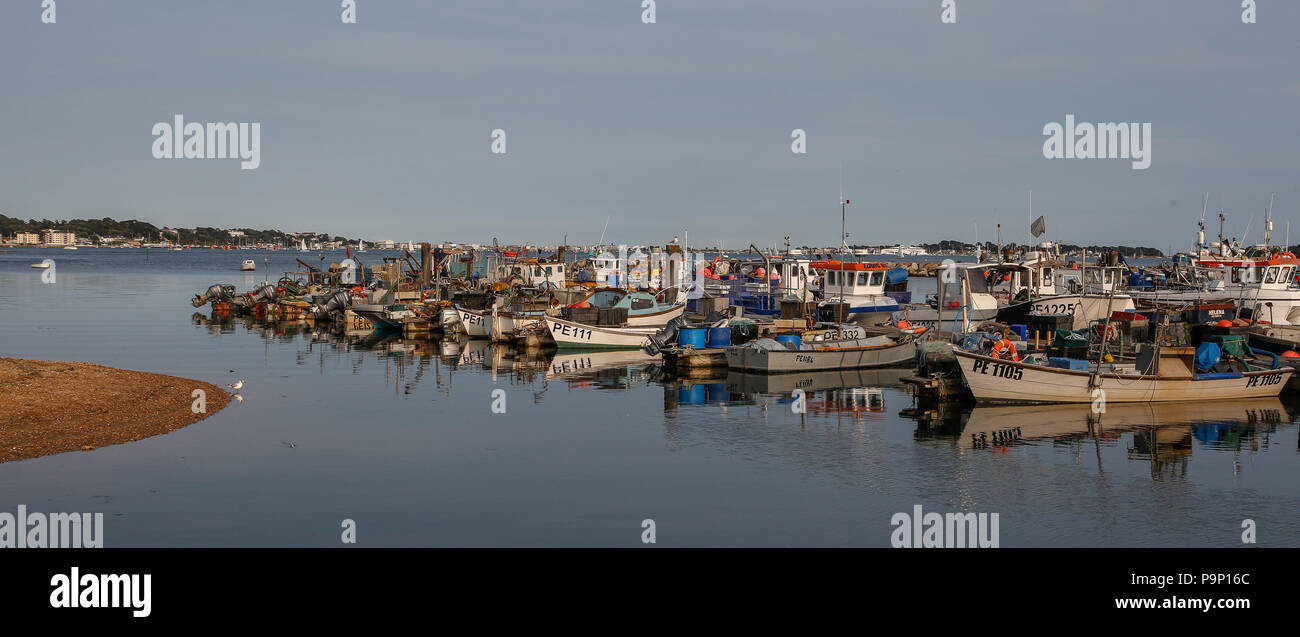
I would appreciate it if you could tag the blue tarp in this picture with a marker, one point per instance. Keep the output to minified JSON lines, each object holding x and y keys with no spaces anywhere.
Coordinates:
{"x":895,"y":275}
{"x":1207,"y":356}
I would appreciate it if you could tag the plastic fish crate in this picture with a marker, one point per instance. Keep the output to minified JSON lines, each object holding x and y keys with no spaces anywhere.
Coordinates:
{"x":1068,"y":363}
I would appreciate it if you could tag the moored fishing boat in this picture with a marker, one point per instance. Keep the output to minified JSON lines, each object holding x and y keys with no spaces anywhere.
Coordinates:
{"x":855,"y":292}
{"x":769,"y":356}
{"x":643,"y":309}
{"x":1169,"y":374}
{"x":570,"y":334}
{"x":474,"y":323}
{"x":384,"y":317}
{"x":503,"y":325}
{"x":1011,"y":292}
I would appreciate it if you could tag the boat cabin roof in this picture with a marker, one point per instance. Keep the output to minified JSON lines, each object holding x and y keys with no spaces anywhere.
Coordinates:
{"x":849,"y":265}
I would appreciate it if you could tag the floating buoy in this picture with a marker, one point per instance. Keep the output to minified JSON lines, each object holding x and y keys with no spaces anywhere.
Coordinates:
{"x":1290,"y":354}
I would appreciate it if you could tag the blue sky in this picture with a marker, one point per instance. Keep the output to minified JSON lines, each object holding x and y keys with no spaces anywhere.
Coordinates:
{"x":381,"y":129}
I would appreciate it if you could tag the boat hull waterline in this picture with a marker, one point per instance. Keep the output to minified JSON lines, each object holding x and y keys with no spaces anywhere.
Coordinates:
{"x":830,"y":358}
{"x":993,"y":380}
{"x":568,"y":334}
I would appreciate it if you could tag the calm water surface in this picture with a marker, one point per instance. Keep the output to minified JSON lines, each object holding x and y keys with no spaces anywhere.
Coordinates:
{"x":400,"y":437}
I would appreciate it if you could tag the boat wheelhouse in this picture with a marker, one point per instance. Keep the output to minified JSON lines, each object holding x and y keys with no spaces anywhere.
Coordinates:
{"x":855,"y":290}
{"x":1011,"y":291}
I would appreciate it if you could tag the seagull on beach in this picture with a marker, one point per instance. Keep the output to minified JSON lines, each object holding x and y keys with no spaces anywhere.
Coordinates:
{"x":236,"y":385}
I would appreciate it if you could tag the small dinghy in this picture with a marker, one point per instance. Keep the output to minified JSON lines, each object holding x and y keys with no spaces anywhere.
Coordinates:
{"x":43,"y":265}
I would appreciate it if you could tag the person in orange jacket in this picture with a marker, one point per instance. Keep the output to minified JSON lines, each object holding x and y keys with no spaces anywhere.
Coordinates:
{"x":1003,"y":348}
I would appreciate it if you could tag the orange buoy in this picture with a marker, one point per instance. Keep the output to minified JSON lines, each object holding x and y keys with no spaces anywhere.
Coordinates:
{"x":1224,"y":323}
{"x":903,"y":325}
{"x":1290,"y":354}
{"x":1006,"y":277}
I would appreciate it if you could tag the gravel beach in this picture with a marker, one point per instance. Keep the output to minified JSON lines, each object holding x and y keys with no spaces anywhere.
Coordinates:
{"x":51,"y":406}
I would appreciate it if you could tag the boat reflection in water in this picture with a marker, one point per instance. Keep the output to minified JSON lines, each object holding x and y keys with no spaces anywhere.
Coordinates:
{"x":858,"y":393}
{"x":1162,"y":433}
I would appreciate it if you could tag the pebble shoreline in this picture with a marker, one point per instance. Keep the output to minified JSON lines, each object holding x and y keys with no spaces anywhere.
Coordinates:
{"x":49,"y":407}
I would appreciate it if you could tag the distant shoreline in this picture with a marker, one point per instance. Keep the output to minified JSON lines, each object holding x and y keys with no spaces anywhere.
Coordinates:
{"x":49,"y":407}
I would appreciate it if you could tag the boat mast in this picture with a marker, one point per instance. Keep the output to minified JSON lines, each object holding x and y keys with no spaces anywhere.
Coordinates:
{"x":844,"y":235}
{"x":1200,"y":232}
{"x":1268,"y":223}
{"x":844,"y":246}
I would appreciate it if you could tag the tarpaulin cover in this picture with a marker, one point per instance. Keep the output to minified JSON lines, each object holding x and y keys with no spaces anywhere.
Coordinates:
{"x":1207,"y":356}
{"x":767,"y":344}
{"x":1233,"y":345}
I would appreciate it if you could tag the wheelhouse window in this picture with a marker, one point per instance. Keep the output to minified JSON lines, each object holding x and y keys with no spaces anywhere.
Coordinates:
{"x":1270,"y":275}
{"x":862,"y":278}
{"x":877,"y":278}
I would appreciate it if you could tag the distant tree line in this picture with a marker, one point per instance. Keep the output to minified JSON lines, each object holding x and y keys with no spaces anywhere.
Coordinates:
{"x":109,"y":227}
{"x":990,"y":246}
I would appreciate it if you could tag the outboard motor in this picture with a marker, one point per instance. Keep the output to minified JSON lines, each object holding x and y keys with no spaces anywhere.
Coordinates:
{"x":337,"y":302}
{"x":264,"y":294}
{"x":663,"y":338}
{"x":215,"y":292}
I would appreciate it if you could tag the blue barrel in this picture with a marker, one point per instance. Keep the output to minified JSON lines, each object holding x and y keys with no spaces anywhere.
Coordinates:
{"x":719,"y":337}
{"x":895,"y":275}
{"x":1022,"y":330}
{"x":693,"y":337}
{"x":718,"y":393}
{"x":789,"y":338}
{"x":691,"y":394}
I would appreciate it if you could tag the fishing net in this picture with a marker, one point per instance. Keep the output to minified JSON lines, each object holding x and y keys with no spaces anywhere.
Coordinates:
{"x":1071,"y":338}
